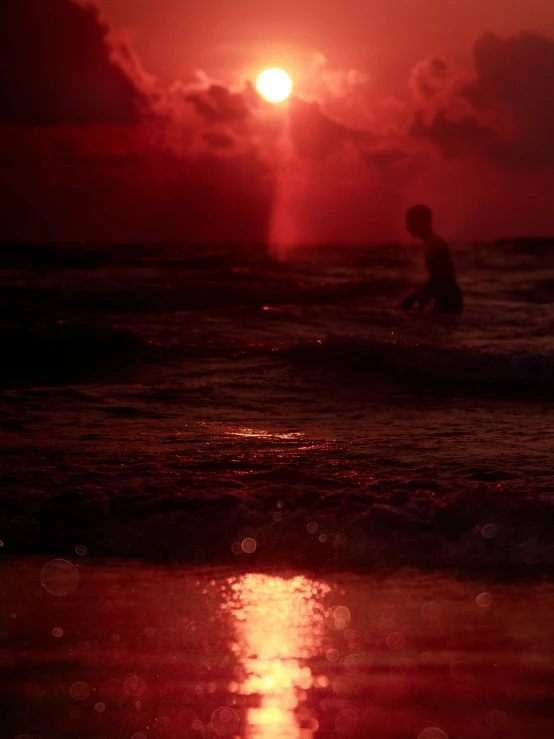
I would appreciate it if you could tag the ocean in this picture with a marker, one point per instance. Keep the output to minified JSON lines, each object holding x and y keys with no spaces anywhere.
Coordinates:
{"x":207,"y":424}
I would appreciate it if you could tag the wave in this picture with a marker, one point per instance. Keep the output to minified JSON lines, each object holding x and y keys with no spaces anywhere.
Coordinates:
{"x":68,"y":353}
{"x":487,"y":526}
{"x":432,"y":367}
{"x":186,"y":295}
{"x":193,"y":257}
{"x":529,"y":245}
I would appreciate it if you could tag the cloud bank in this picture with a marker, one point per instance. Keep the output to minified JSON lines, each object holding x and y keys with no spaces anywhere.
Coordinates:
{"x":94,"y":149}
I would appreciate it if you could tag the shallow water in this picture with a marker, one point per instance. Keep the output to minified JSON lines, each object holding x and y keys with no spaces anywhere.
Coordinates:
{"x":167,"y":402}
{"x":127,"y":650}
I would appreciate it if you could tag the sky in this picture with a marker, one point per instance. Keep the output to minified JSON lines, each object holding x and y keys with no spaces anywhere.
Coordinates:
{"x":133,"y":121}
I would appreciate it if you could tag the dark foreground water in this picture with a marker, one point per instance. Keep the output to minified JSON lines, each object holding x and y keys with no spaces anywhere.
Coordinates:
{"x":127,"y":651}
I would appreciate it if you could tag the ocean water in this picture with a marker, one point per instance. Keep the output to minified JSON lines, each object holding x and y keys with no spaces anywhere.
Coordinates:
{"x":122,"y":650}
{"x":233,"y":407}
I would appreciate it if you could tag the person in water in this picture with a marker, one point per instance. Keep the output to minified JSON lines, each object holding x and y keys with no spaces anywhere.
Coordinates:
{"x":441,"y":285}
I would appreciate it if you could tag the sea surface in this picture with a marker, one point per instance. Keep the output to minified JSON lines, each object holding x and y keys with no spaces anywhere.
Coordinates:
{"x":124,"y":650}
{"x":169,"y":403}
{"x":243,"y":495}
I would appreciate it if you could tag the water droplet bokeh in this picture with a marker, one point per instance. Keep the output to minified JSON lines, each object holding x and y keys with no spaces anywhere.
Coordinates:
{"x":60,"y":577}
{"x":248,"y":545}
{"x":432,"y":732}
{"x":431,"y":611}
{"x":224,"y":721}
{"x":489,"y":531}
{"x":484,"y":600}
{"x":497,"y":720}
{"x":79,"y":691}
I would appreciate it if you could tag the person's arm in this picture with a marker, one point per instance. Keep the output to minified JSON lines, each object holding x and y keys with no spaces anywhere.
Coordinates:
{"x":411,"y":299}
{"x":426,"y":293}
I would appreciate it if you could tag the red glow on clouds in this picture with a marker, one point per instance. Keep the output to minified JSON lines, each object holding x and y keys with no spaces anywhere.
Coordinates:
{"x":95,"y":149}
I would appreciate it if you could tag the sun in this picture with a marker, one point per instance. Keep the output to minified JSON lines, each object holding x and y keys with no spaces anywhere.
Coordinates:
{"x":275,"y":85}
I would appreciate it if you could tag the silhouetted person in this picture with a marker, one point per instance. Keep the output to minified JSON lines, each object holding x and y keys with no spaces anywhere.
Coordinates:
{"x":442,"y":285}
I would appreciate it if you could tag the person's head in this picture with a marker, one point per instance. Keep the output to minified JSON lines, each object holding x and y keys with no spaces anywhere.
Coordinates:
{"x":419,"y":221}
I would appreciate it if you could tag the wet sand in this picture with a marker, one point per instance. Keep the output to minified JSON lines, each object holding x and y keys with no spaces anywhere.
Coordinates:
{"x":129,"y":650}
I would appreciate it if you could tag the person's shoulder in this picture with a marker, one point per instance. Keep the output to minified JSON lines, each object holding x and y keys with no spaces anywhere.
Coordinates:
{"x":438,"y":245}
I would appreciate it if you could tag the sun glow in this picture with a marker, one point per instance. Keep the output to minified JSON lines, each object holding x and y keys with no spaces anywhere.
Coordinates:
{"x":275,"y":85}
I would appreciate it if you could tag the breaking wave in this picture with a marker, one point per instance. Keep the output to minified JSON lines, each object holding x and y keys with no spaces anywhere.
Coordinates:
{"x":485,"y":526}
{"x":529,"y":373}
{"x":56,"y":353}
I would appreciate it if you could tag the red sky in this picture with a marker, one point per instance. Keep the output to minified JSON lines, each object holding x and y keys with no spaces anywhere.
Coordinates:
{"x":440,"y":101}
{"x":228,"y":38}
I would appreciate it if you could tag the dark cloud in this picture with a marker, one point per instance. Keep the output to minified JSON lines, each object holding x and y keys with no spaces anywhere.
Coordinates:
{"x":219,"y":140}
{"x":430,"y":77}
{"x":315,"y":135}
{"x":515,"y":78}
{"x":94,"y":150}
{"x":455,"y":138}
{"x":217,"y":104}
{"x":383,"y":158}
{"x":511,"y":101}
{"x":135,"y":196}
{"x":516,"y":74}
{"x":57,"y":67}
{"x":84,"y":157}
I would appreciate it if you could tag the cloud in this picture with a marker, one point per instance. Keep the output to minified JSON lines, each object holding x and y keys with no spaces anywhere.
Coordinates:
{"x":93,"y":149}
{"x":430,"y":78}
{"x":505,"y":113}
{"x":384,"y":158}
{"x":515,"y":79}
{"x":515,"y":74}
{"x":315,"y":135}
{"x":217,"y":104}
{"x":219,"y":140}
{"x":128,"y":192}
{"x":59,"y":68}
{"x":455,"y":138}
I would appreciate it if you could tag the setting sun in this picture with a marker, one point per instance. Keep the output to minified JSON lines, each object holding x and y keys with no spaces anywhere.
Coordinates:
{"x":275,"y":85}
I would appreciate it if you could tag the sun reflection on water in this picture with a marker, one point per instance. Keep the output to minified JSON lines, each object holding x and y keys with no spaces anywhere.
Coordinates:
{"x":279,"y":625}
{"x":262,"y":433}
